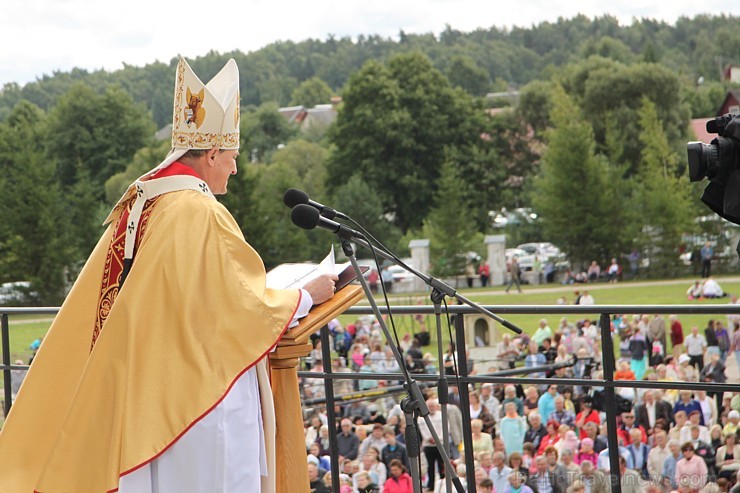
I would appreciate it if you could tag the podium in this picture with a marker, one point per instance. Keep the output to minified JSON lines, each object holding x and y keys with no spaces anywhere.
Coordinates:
{"x":290,"y":447}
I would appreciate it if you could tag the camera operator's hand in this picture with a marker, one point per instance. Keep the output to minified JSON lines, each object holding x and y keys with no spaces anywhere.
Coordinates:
{"x":322,"y":288}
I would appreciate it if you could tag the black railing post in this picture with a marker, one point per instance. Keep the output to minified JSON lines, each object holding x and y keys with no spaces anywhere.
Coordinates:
{"x":6,"y":362}
{"x":462,"y":359}
{"x":610,"y":402}
{"x":331,"y":417}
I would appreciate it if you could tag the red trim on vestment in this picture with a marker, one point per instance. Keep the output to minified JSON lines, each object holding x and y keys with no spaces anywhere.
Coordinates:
{"x":300,"y":295}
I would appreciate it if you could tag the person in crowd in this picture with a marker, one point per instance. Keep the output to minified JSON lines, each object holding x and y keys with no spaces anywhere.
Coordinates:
{"x":728,"y":458}
{"x":597,"y":481}
{"x":658,"y":454}
{"x":594,"y":271}
{"x":705,"y":254}
{"x":433,"y":457}
{"x":650,"y":411}
{"x":375,"y":439}
{"x":506,"y":353}
{"x":723,"y":340}
{"x":394,"y":450}
{"x":691,"y":470}
{"x":613,"y":271}
{"x":688,"y":405}
{"x":484,"y":273}
{"x":500,"y":472}
{"x":315,"y":481}
{"x":364,"y":484}
{"x":639,"y":452}
{"x":543,"y":332}
{"x":676,"y":335}
{"x":586,"y":414}
{"x":669,"y":466}
{"x":512,"y":267}
{"x":512,"y":429}
{"x":536,"y":431}
{"x":638,"y":353}
{"x":554,"y":467}
{"x":546,"y":402}
{"x":624,"y":430}
{"x":480,"y":412}
{"x":544,"y":481}
{"x":629,"y":480}
{"x":485,"y":486}
{"x":586,"y":298}
{"x":489,"y":400}
{"x":348,"y":443}
{"x":399,"y":481}
{"x":562,"y":415}
{"x":696,"y":346}
{"x":482,"y":442}
{"x":516,"y":484}
{"x":712,"y":289}
{"x":516,"y":464}
{"x":552,"y":437}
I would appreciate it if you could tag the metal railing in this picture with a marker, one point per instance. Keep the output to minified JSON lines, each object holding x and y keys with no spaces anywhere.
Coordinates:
{"x":463,"y":379}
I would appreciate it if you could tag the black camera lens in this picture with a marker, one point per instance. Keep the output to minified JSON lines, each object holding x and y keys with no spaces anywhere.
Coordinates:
{"x":703,"y":160}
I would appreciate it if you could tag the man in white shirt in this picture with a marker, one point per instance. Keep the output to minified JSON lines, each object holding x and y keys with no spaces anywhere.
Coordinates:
{"x":659,"y":453}
{"x":695,"y":344}
{"x":499,"y":473}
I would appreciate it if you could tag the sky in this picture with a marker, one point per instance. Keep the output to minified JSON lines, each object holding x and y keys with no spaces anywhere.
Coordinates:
{"x":38,"y":37}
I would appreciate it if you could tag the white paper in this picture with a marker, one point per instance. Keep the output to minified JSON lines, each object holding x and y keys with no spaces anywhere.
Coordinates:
{"x":290,"y":276}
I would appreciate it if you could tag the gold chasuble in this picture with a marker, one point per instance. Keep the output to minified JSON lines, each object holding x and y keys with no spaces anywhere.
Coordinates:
{"x":121,"y":375}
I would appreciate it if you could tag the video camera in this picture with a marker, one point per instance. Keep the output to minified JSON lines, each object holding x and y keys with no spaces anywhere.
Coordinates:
{"x":719,"y":161}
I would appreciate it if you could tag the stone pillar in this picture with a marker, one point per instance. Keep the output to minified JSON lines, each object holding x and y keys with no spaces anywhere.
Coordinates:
{"x":420,"y":260}
{"x":496,"y":245}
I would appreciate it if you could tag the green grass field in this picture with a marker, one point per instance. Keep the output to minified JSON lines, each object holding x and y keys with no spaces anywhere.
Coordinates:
{"x":641,"y":293}
{"x":25,"y":328}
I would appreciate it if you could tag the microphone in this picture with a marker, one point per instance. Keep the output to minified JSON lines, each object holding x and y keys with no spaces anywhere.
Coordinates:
{"x":293,"y":197}
{"x":307,"y":217}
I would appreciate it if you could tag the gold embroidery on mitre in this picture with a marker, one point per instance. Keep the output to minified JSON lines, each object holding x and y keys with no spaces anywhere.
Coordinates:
{"x":195,"y":112}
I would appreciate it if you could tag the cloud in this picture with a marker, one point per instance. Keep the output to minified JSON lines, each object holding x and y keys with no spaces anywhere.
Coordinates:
{"x":41,"y":36}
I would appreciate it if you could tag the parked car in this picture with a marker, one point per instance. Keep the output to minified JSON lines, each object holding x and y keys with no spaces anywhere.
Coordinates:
{"x":15,"y":293}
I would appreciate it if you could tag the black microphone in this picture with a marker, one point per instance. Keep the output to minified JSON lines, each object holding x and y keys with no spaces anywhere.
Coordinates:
{"x":307,"y":217}
{"x":293,"y":197}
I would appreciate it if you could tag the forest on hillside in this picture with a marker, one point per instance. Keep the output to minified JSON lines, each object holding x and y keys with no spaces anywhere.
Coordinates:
{"x":594,"y":143}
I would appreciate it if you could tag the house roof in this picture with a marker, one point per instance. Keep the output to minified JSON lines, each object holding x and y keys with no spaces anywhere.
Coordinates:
{"x":732,"y":93}
{"x":699,"y":129}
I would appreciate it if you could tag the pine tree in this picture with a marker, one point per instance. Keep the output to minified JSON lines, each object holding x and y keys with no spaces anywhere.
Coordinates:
{"x":660,"y":197}
{"x":572,"y":193}
{"x":450,"y":226}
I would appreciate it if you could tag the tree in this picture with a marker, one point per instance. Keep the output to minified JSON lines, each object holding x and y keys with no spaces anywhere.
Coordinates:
{"x":449,"y":225}
{"x":660,"y":197}
{"x":263,"y":131}
{"x":90,"y":137}
{"x":393,"y":130}
{"x":467,"y":75}
{"x":98,"y":133}
{"x":308,"y":160}
{"x":311,"y":92}
{"x":576,"y":219}
{"x":34,"y":239}
{"x":358,"y":200}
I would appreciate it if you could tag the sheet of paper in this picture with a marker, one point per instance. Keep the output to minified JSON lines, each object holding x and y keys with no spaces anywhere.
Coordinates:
{"x":289,"y":276}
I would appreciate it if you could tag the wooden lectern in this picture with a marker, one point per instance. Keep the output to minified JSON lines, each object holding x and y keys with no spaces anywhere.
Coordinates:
{"x":290,"y":446}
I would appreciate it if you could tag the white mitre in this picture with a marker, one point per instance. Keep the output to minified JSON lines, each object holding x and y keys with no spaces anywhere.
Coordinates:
{"x":204,"y":116}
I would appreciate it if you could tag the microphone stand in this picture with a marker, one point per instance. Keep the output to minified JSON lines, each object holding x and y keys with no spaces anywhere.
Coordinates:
{"x":414,"y":405}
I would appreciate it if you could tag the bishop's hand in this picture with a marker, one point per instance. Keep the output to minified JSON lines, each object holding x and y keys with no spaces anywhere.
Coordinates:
{"x":321,"y":289}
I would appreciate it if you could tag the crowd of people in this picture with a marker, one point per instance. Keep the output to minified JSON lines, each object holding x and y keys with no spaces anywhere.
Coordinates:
{"x":542,"y":438}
